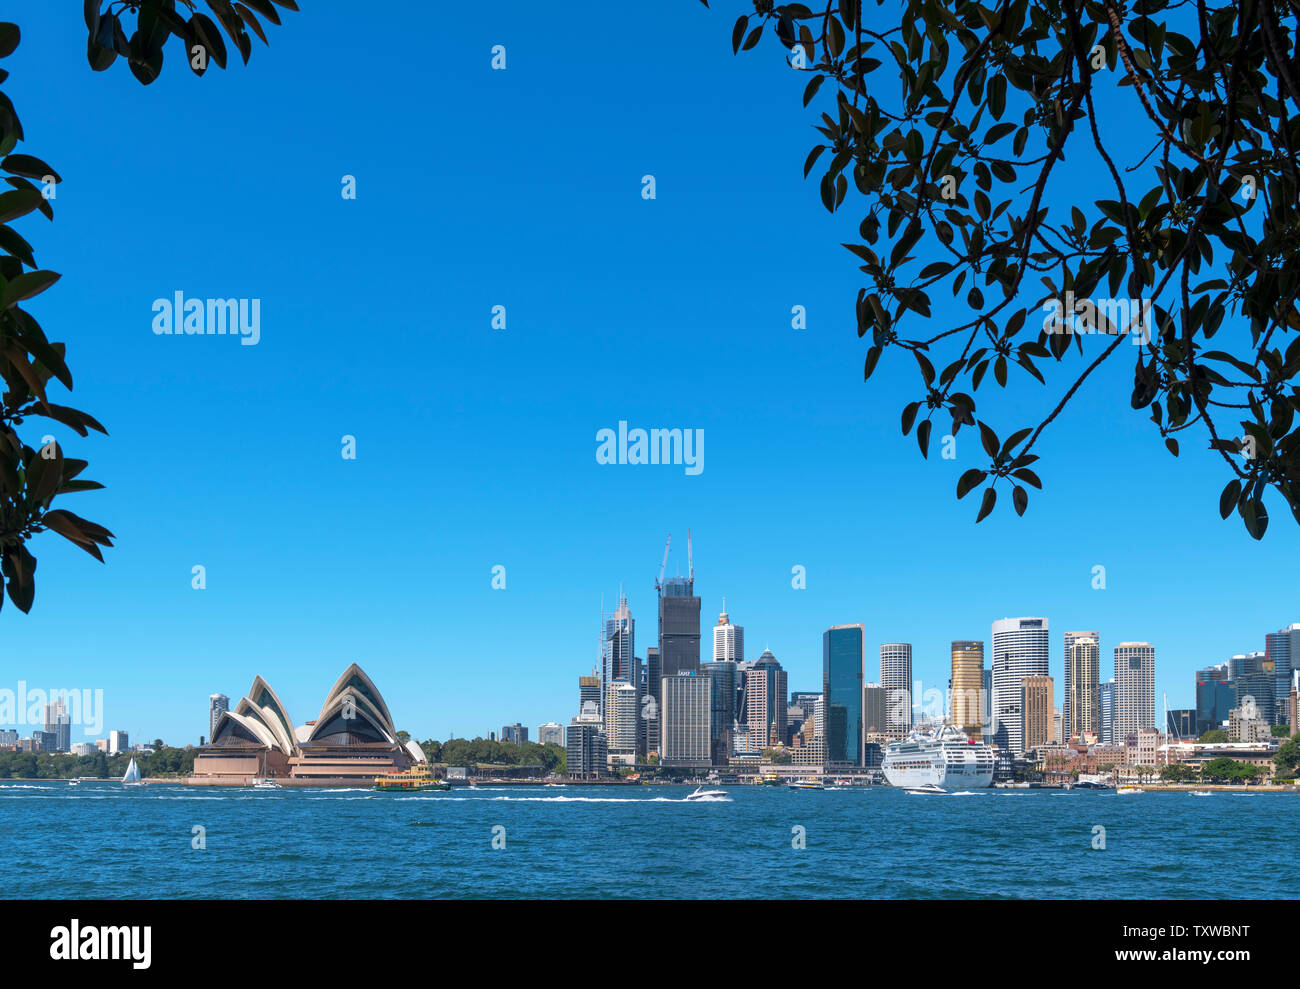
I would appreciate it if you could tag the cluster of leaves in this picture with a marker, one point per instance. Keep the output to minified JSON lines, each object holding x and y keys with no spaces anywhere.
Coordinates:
{"x":995,"y":93}
{"x":31,"y":479}
{"x":156,"y":21}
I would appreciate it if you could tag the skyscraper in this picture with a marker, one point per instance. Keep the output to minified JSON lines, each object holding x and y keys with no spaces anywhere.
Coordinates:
{"x":1135,"y":688}
{"x":722,"y":707}
{"x":1067,"y":685}
{"x":218,"y":704}
{"x":1083,"y":675}
{"x":1019,"y":650}
{"x":589,"y":690}
{"x":966,"y":687}
{"x":1106,"y":711}
{"x":896,"y":678}
{"x":1214,"y":697}
{"x":59,"y":725}
{"x":550,"y":734}
{"x":1282,"y":648}
{"x":843,"y":660}
{"x":618,"y":646}
{"x":621,"y":715}
{"x":873,"y":709}
{"x":766,"y":700}
{"x":687,"y":722}
{"x":728,"y":639}
{"x":1039,"y":707}
{"x":652,"y":679}
{"x":1254,"y":684}
{"x":679,"y":627}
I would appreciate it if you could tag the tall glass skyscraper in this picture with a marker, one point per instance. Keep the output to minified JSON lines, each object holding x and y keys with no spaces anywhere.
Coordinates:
{"x":843,"y":659}
{"x":1214,"y":697}
{"x":722,"y":707}
{"x":1019,"y":650}
{"x":1106,"y":711}
{"x":1282,"y":648}
{"x":1135,"y":688}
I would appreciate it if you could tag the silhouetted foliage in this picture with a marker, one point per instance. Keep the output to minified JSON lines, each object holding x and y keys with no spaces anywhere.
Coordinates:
{"x":1208,"y":144}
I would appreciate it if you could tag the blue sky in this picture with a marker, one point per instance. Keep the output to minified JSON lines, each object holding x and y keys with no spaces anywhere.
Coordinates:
{"x":475,"y":447}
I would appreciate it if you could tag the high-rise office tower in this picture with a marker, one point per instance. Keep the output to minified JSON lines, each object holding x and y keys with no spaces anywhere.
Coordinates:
{"x":589,"y":690}
{"x":1106,"y":712}
{"x":1254,"y":684}
{"x":1019,"y":650}
{"x":587,"y":753}
{"x":1282,"y":648}
{"x":728,"y":639}
{"x":844,"y":655}
{"x":896,"y":678}
{"x":516,"y":733}
{"x":1083,"y":675}
{"x":1067,"y":687}
{"x":118,"y":741}
{"x":687,"y":721}
{"x":1058,"y":727}
{"x":873,"y":709}
{"x":1214,"y":697}
{"x":550,"y":734}
{"x":679,"y":626}
{"x":618,"y":645}
{"x":218,"y":704}
{"x":59,"y":725}
{"x":1037,"y":703}
{"x":722,"y":707}
{"x":621,"y":715}
{"x":766,"y":701}
{"x":652,"y":680}
{"x":1135,"y":689}
{"x":966,"y":687}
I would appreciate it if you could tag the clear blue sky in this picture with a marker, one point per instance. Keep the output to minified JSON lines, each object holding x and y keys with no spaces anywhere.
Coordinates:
{"x":476,"y":447}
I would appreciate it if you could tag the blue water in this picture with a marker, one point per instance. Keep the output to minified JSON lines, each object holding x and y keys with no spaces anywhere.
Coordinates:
{"x":104,"y":840}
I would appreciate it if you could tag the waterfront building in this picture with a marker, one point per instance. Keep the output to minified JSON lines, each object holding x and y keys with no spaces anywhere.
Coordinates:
{"x":586,"y":754}
{"x":721,"y":675}
{"x":1135,"y":688}
{"x":965,"y":687}
{"x":218,"y":704}
{"x":516,"y":733}
{"x":1067,"y":682}
{"x":687,"y":721}
{"x":353,"y":737}
{"x":896,"y":678}
{"x":550,"y":734}
{"x":843,"y":662}
{"x":1083,"y":676}
{"x":1038,"y":706}
{"x":1020,"y":649}
{"x":1214,"y":698}
{"x":118,"y":741}
{"x":1142,"y":747}
{"x":622,"y":712}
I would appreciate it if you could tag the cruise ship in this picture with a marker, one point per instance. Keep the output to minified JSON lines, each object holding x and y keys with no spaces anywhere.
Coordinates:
{"x":943,"y":760}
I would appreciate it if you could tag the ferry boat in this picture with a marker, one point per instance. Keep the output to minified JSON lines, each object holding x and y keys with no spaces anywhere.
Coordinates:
{"x":806,"y":784}
{"x":944,"y":760}
{"x":1126,"y":790}
{"x":769,"y":779}
{"x":416,"y":778}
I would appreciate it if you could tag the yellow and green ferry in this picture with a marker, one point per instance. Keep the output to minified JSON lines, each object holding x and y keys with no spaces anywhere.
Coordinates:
{"x":417,"y":778}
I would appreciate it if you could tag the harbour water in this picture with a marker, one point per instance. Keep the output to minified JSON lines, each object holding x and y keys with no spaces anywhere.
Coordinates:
{"x":102,"y":840}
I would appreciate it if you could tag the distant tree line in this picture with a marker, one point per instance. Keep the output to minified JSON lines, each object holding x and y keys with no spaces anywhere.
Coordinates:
{"x":166,"y":761}
{"x":485,"y":752}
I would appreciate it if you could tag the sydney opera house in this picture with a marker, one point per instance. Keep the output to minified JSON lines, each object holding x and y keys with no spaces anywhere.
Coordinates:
{"x":351,"y":741}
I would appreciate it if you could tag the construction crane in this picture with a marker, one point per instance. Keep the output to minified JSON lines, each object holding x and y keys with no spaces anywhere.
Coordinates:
{"x":690,"y":559}
{"x":664,"y":566}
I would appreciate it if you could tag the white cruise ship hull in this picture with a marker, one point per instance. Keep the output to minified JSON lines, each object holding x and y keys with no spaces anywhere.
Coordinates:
{"x":945,"y":764}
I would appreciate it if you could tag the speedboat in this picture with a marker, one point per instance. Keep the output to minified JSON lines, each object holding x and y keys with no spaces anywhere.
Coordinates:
{"x":73,"y":782}
{"x":1125,"y":790}
{"x":928,"y":789}
{"x":265,"y":784}
{"x":1202,"y":793}
{"x":703,"y":794}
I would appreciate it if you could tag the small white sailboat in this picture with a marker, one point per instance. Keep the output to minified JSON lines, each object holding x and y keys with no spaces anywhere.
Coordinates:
{"x":132,"y":777}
